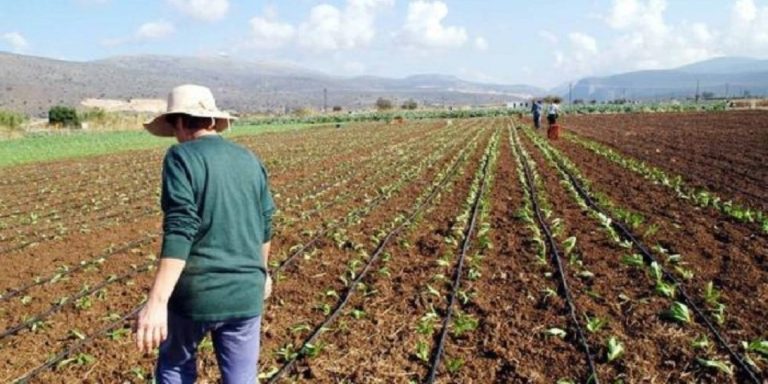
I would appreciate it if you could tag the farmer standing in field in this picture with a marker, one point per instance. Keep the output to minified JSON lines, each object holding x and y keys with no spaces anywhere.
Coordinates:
{"x":553,"y":111}
{"x":536,"y":108}
{"x":212,"y":275}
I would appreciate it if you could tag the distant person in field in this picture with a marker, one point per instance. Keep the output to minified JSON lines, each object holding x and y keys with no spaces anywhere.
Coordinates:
{"x":536,"y":109}
{"x":553,"y":112}
{"x":212,"y":276}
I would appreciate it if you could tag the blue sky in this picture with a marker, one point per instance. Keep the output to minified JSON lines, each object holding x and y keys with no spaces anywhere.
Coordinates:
{"x":542,"y":43}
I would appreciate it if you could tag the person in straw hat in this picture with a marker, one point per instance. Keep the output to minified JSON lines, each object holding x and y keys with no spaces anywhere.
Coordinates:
{"x":212,"y":275}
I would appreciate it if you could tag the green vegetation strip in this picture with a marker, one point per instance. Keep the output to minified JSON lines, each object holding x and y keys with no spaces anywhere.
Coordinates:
{"x":696,"y":196}
{"x":47,"y":147}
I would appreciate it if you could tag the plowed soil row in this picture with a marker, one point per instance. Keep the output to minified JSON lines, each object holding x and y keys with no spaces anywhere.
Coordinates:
{"x":111,"y":369}
{"x":623,"y":296}
{"x":724,"y":152}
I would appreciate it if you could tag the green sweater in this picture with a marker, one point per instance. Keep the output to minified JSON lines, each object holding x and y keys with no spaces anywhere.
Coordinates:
{"x":218,"y":213}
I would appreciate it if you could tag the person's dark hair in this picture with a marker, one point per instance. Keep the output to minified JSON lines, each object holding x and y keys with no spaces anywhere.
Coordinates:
{"x":192,"y":123}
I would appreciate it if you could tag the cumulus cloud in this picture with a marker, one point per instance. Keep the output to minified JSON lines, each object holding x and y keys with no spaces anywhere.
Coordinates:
{"x":583,"y":42}
{"x":642,"y":38}
{"x":206,"y":10}
{"x":549,"y":36}
{"x":329,"y":28}
{"x":481,"y":44}
{"x":17,"y":42}
{"x":148,"y":31}
{"x":424,"y":26}
{"x":269,"y":33}
{"x":154,"y":30}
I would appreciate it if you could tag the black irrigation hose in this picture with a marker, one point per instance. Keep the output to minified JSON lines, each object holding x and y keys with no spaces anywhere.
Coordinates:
{"x":75,"y":346}
{"x":71,"y":300}
{"x":556,"y":256}
{"x":47,"y":237}
{"x":284,"y":263}
{"x":649,"y":258}
{"x":13,"y":292}
{"x":373,"y":258}
{"x":468,"y":232}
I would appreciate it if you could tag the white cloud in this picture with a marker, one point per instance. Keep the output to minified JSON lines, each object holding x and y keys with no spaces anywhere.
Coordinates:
{"x":642,"y":39}
{"x":148,"y":31}
{"x":583,"y":42}
{"x":424,"y":26}
{"x":154,"y":30}
{"x":269,"y":33}
{"x":17,"y":42}
{"x":329,"y":28}
{"x":549,"y":36}
{"x":206,"y":10}
{"x":745,"y":11}
{"x":481,"y":44}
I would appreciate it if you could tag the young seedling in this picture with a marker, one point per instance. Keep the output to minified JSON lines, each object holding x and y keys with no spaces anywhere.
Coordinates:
{"x":594,"y":324}
{"x":556,"y":332}
{"x":287,"y":353}
{"x":701,"y":342}
{"x":633,"y":260}
{"x":615,"y":349}
{"x":758,"y":346}
{"x":656,"y":272}
{"x":422,"y":351}
{"x":454,"y":365}
{"x":679,"y":312}
{"x":569,"y":244}
{"x":716,"y":364}
{"x":665,"y":289}
{"x":711,"y":295}
{"x":312,"y":350}
{"x":357,"y":314}
{"x":463,"y":323}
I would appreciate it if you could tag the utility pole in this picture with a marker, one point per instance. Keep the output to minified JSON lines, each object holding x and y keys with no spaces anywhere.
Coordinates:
{"x":570,"y":93}
{"x":697,"y":90}
{"x":325,"y":100}
{"x":727,"y":86}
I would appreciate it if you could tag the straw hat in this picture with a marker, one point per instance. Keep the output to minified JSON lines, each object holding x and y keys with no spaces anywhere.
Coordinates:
{"x":193,"y":100}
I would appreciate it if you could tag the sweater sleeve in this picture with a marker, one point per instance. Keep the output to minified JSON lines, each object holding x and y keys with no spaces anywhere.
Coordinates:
{"x":180,"y":221}
{"x":267,"y":206}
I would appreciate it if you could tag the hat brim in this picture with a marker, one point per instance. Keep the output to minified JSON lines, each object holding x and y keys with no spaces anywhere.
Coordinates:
{"x":160,"y":127}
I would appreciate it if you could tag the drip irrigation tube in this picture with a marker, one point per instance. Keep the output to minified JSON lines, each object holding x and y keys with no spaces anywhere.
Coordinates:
{"x":649,"y":258}
{"x":556,"y":257}
{"x":468,"y":232}
{"x":350,"y":290}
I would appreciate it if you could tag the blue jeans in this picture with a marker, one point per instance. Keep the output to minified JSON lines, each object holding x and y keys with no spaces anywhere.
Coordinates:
{"x":235,"y":342}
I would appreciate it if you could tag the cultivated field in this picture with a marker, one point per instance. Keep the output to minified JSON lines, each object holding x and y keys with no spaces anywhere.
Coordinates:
{"x":470,"y":251}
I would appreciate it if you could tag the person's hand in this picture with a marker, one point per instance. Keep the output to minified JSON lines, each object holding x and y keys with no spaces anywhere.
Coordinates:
{"x":151,"y":326}
{"x":268,"y":287}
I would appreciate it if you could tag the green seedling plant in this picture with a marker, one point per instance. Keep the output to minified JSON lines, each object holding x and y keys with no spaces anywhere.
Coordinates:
{"x":454,"y":365}
{"x":463,"y":323}
{"x":701,"y":342}
{"x":633,"y":260}
{"x":422,"y":351}
{"x":595,"y":324}
{"x":679,"y":312}
{"x":555,"y":332}
{"x":717,"y":365}
{"x":615,"y":349}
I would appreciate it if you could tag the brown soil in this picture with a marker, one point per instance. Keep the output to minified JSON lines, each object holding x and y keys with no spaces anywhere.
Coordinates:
{"x":724,"y":152}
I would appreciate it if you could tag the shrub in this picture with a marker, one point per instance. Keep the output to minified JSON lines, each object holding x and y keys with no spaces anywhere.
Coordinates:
{"x":11,"y":119}
{"x":410,"y":105}
{"x":383,"y":104}
{"x":64,"y":116}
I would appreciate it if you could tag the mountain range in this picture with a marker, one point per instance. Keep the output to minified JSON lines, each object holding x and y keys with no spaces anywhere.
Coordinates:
{"x":721,"y":77}
{"x":32,"y":85}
